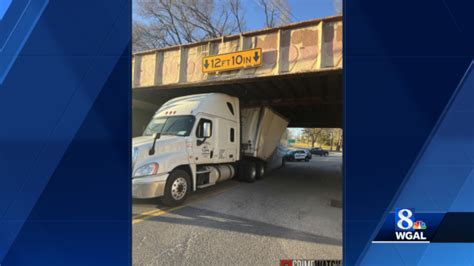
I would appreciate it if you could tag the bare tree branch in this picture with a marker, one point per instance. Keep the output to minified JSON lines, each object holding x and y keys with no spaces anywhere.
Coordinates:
{"x":277,"y":12}
{"x":236,"y":10}
{"x":173,"y":22}
{"x":337,"y":6}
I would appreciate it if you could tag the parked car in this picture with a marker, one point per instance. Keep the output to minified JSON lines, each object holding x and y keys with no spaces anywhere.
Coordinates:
{"x":298,"y":155}
{"x":319,"y":151}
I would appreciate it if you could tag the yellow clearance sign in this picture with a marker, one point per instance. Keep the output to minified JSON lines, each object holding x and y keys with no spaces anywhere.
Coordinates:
{"x":232,"y":61}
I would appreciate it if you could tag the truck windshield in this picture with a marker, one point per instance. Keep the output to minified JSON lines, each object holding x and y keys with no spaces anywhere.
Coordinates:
{"x":172,"y":125}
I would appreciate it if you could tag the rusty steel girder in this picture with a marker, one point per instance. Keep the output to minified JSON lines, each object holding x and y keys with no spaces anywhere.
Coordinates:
{"x":303,"y":47}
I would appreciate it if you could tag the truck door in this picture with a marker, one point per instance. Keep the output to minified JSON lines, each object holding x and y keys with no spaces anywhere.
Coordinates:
{"x":204,"y":147}
{"x":228,"y":141}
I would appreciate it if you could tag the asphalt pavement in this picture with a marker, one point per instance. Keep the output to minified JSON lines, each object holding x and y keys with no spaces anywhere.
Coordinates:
{"x":293,"y":213}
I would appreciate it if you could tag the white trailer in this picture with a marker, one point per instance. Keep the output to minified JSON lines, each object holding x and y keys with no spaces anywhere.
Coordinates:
{"x":199,"y":140}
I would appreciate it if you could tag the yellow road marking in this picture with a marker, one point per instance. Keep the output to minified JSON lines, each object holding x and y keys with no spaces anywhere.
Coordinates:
{"x":158,"y":212}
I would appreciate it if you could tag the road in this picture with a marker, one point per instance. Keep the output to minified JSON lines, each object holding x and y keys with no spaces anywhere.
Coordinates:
{"x":293,"y":213}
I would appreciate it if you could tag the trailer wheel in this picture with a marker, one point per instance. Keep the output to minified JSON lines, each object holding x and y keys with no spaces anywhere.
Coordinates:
{"x":177,"y":188}
{"x":248,"y":171}
{"x":260,"y":170}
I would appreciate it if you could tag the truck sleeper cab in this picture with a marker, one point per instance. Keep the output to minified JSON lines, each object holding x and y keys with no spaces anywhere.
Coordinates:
{"x":195,"y":141}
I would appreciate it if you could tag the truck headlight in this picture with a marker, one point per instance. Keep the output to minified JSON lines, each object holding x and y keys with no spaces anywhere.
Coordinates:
{"x":146,"y":170}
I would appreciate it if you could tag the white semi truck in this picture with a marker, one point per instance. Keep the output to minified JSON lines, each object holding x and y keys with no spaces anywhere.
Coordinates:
{"x":199,"y":140}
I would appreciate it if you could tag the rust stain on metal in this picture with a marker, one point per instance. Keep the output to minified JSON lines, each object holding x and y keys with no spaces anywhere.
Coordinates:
{"x":306,"y":37}
{"x":267,"y":41}
{"x":309,"y":46}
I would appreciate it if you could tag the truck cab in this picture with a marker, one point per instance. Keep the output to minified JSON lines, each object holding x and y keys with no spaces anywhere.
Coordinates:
{"x":186,"y":132}
{"x":195,"y":141}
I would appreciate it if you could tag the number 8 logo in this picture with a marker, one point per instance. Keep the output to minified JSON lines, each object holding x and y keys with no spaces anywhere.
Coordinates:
{"x":405,"y":222}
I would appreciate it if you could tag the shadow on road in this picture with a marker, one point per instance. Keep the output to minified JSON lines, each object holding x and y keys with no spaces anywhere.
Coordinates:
{"x":205,"y":218}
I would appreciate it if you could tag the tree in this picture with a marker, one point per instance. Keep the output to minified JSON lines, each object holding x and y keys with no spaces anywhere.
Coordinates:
{"x":330,"y":141}
{"x":337,"y":6}
{"x":162,"y":23}
{"x":289,"y":134}
{"x":277,"y":12}
{"x":238,"y":14}
{"x":323,"y":136}
{"x":311,"y":135}
{"x":145,"y":38}
{"x":339,"y":139}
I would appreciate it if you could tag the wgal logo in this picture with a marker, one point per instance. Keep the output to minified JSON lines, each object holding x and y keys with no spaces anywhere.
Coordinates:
{"x":404,"y":219}
{"x":406,"y":227}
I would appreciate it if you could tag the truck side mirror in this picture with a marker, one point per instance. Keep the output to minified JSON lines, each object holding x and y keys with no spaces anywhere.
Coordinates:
{"x":206,"y":129}
{"x":152,"y":149}
{"x":205,"y":132}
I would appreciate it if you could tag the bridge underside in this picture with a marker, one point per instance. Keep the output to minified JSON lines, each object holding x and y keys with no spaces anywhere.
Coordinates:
{"x":307,"y":100}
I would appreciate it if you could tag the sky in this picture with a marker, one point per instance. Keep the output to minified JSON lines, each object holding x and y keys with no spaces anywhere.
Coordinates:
{"x":301,"y":10}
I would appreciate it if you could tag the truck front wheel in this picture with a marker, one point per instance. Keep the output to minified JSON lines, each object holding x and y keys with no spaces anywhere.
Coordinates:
{"x":177,"y":188}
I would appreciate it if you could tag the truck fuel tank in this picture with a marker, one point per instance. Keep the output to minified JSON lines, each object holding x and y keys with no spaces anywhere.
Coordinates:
{"x":212,"y":174}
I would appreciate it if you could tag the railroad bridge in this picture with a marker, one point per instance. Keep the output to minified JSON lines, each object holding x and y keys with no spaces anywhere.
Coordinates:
{"x":299,"y":74}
